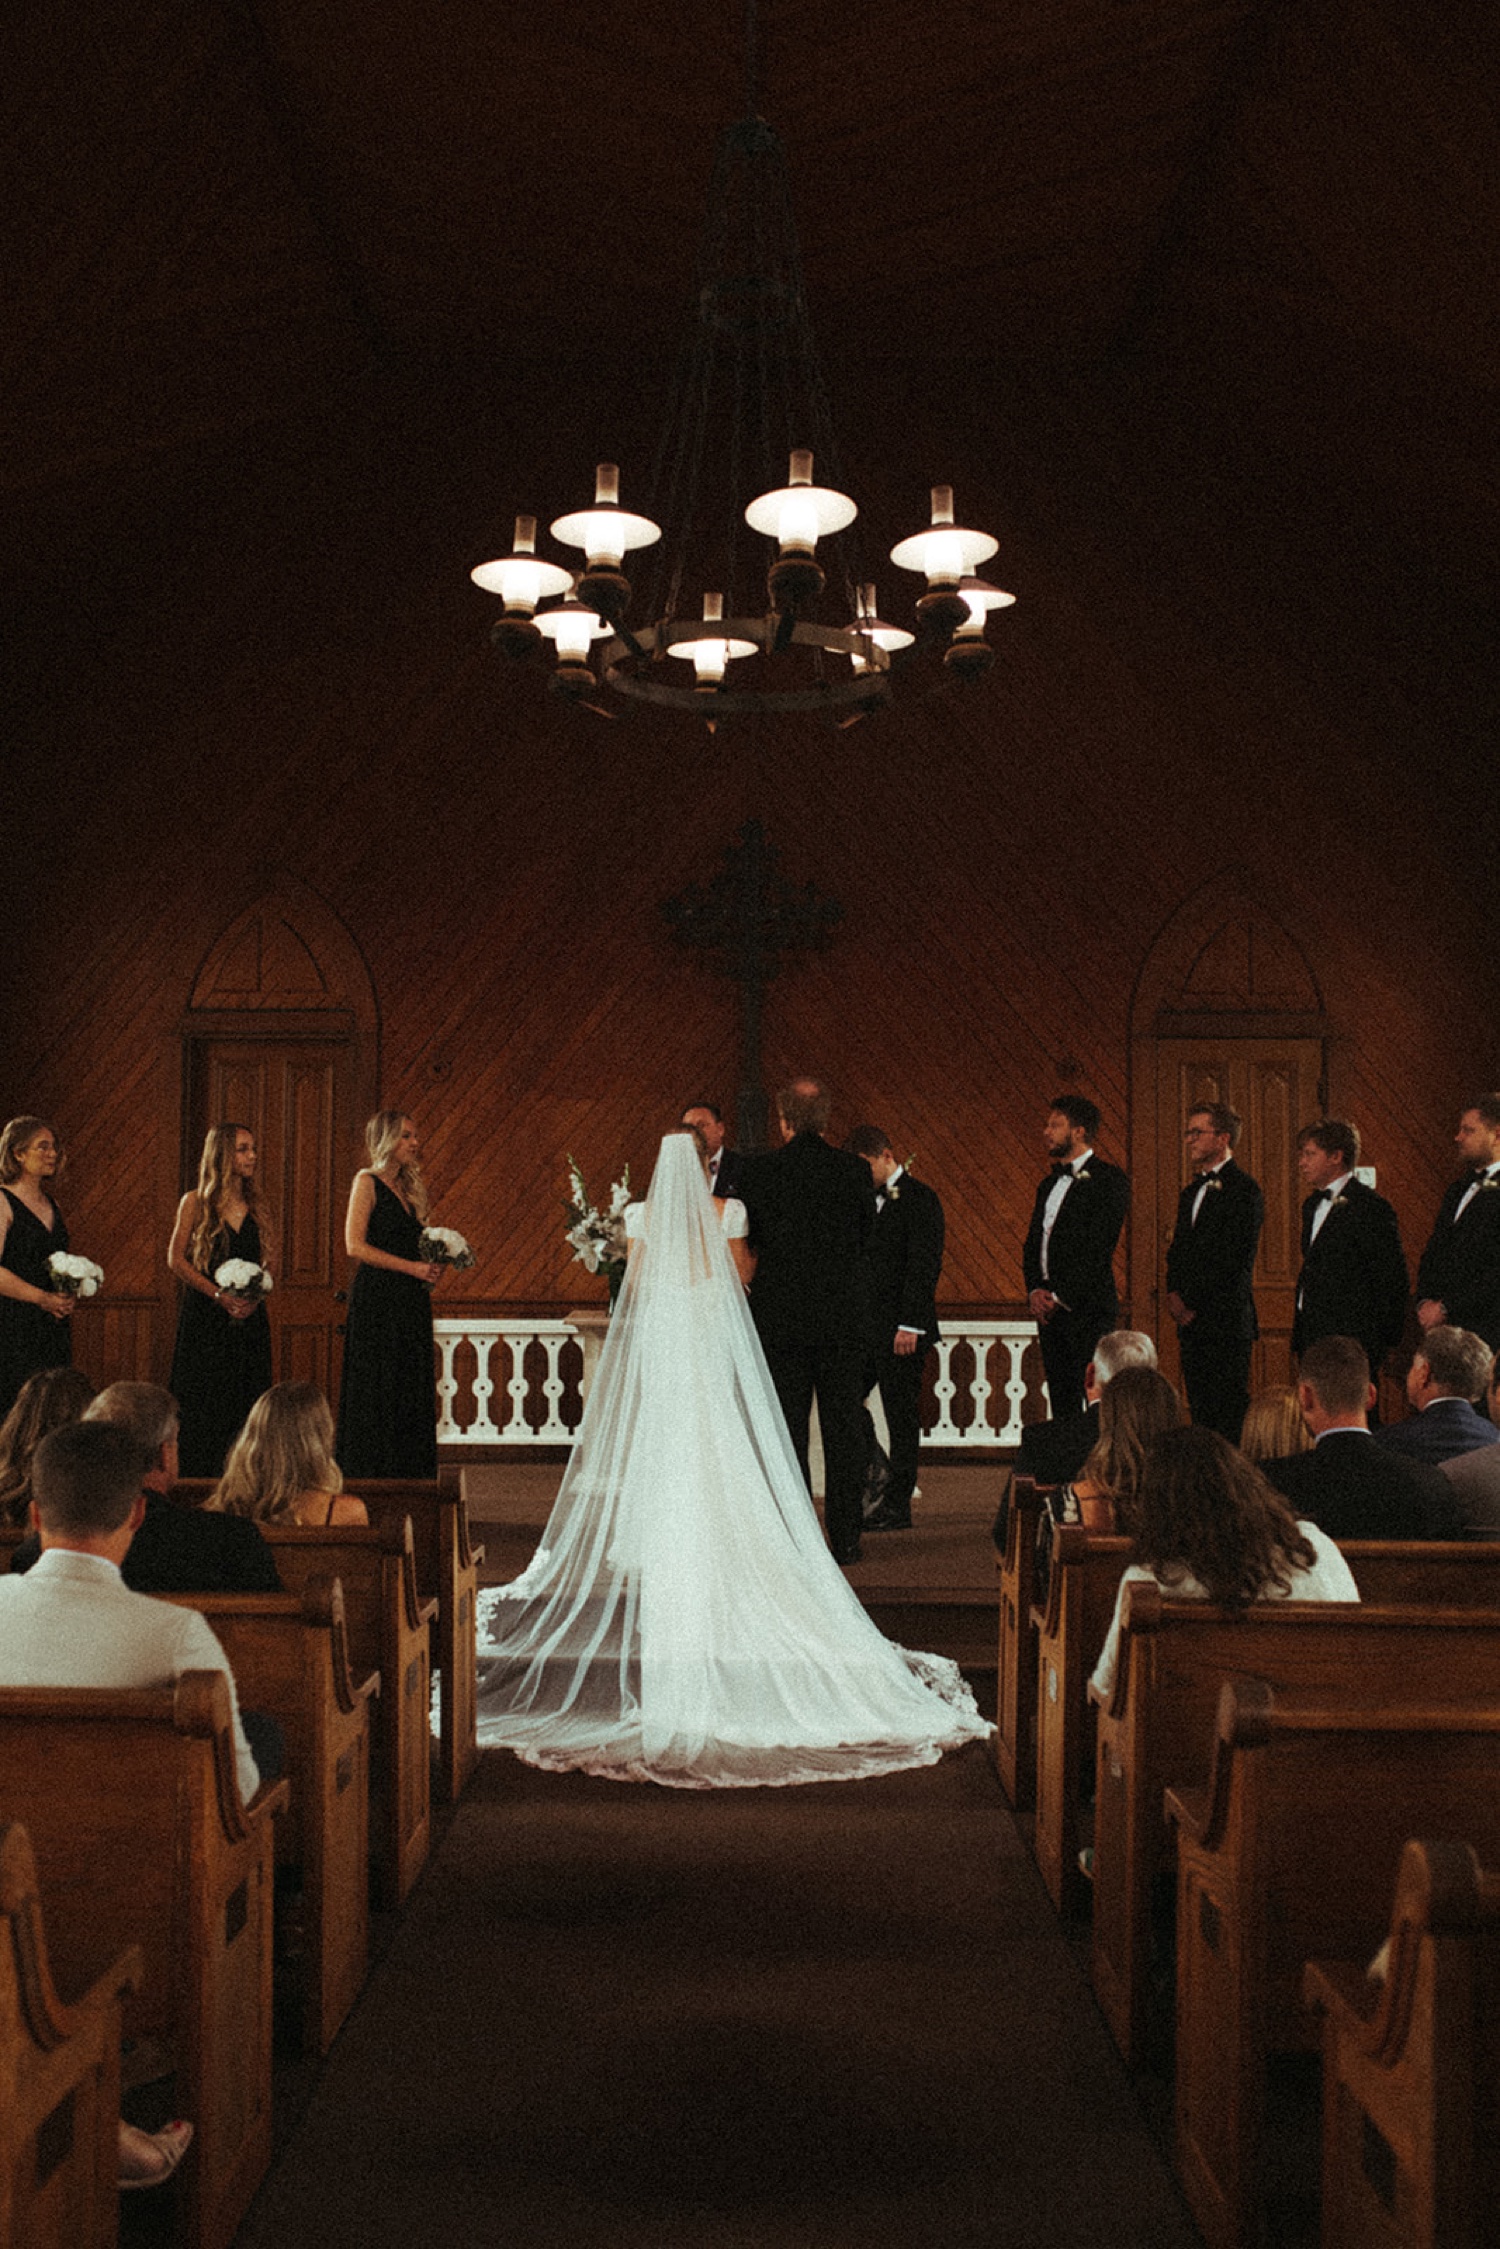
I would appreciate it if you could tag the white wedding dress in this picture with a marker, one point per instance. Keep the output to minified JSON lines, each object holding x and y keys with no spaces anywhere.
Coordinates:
{"x":682,"y":1620}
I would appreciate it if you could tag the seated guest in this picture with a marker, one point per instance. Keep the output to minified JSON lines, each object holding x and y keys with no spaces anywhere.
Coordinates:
{"x":1207,"y":1526}
{"x":178,"y":1548}
{"x":1449,"y":1371}
{"x":1052,"y":1451}
{"x":1475,"y":1476}
{"x":1273,"y":1426}
{"x":281,"y":1467}
{"x":1349,"y":1483}
{"x":71,"y":1621}
{"x":1137,"y":1405}
{"x":46,"y":1401}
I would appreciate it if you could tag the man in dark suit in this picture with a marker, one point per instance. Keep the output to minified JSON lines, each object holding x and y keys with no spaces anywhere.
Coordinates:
{"x":1458,"y":1280}
{"x":1068,"y":1258}
{"x":726,"y":1168}
{"x":1353,"y":1278}
{"x":1475,"y":1476}
{"x":905,"y":1258}
{"x":811,"y":1208}
{"x":1450,"y":1369}
{"x":1052,"y":1452}
{"x":1210,"y":1264}
{"x":1349,"y":1485}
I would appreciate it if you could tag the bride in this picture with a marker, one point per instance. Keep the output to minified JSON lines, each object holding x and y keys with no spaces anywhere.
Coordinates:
{"x":682,"y":1620}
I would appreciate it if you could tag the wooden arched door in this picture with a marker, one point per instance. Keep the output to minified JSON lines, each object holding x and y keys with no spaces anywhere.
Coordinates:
{"x":280,"y":1035}
{"x":1228,"y":1009}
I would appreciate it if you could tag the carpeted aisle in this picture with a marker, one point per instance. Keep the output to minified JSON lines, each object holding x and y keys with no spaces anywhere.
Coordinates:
{"x":836,"y":2015}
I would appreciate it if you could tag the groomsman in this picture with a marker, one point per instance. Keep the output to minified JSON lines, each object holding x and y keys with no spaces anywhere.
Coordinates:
{"x":905,"y":1257}
{"x":1210,"y":1262}
{"x":1353,"y":1278}
{"x":1458,"y":1280}
{"x":1068,"y":1259}
{"x":726,"y":1169}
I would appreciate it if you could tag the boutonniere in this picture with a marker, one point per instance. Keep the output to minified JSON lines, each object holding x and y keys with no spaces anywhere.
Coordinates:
{"x":1338,"y":1202}
{"x":1214,"y":1186}
{"x":1080,"y":1176}
{"x":893,"y":1193}
{"x":1490,"y":1186}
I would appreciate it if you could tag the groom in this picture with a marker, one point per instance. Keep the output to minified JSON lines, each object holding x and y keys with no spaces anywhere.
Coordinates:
{"x":811,"y":1208}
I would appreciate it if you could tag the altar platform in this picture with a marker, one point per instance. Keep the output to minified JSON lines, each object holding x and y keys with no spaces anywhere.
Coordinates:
{"x":933,"y":1587}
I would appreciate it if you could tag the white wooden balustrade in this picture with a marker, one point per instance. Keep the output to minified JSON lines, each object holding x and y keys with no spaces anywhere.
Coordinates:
{"x":520,"y":1382}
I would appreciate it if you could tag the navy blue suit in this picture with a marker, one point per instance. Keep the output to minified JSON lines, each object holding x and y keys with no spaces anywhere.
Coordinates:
{"x":1443,"y":1431}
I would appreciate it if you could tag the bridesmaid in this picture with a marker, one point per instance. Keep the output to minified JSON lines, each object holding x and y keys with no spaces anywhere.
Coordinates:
{"x":388,"y":1403}
{"x":34,"y":1313}
{"x":222,"y":1361}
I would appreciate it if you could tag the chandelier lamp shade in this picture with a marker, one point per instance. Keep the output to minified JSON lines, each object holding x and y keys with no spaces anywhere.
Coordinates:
{"x":750,"y":390}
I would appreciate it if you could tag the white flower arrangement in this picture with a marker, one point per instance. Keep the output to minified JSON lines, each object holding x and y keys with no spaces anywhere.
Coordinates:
{"x":598,"y":1236}
{"x":442,"y":1245}
{"x":240,"y":1276}
{"x":75,"y":1276}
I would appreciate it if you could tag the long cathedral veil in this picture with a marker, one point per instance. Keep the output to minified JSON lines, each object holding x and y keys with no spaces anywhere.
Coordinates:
{"x":682,"y":1619}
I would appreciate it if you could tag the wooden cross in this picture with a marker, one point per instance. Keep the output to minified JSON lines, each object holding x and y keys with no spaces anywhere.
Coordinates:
{"x":750,"y":918}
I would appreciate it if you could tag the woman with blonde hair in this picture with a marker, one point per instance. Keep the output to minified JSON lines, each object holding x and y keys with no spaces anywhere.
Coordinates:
{"x":34,"y":1311}
{"x":48,"y":1400}
{"x":387,"y":1402}
{"x":1206,"y":1525}
{"x":1135,"y":1406}
{"x":222,"y":1359}
{"x":281,"y":1468}
{"x":1274,"y":1428}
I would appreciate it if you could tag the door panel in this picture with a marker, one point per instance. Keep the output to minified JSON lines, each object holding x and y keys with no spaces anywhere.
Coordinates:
{"x":295,"y":1096}
{"x":1274,"y":1084}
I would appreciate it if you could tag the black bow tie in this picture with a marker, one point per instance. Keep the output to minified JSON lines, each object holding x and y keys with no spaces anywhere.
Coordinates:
{"x":1063,"y":1171}
{"x":1323,"y":1195}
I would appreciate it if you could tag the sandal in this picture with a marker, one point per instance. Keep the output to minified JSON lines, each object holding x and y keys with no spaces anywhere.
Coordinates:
{"x":152,"y":2156}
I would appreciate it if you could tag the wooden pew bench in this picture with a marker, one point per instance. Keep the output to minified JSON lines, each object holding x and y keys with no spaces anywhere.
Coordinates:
{"x":388,"y":1629}
{"x":1434,"y":1573}
{"x":290,"y":1657}
{"x":134,"y":1814}
{"x":1015,"y":1693}
{"x":1291,"y":1850}
{"x":1083,"y":1577}
{"x":448,"y":1572}
{"x":1411,"y":2066}
{"x":59,"y":2078}
{"x":1155,"y":1732}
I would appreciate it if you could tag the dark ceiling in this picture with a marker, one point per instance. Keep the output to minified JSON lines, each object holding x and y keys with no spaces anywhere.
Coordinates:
{"x":1275,"y":223}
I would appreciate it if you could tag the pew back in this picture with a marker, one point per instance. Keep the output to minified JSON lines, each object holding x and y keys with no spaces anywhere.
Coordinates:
{"x":140,"y":1837}
{"x":1083,"y":1577}
{"x":1015,"y":1695}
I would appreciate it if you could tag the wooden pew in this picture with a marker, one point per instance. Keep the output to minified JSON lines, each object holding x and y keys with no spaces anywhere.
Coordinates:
{"x":1437,"y":1573}
{"x":1292,"y":1850}
{"x":1083,"y":1577}
{"x":1155,"y":1733}
{"x":59,"y":2079}
{"x":1411,"y":2066}
{"x":290,"y":1657}
{"x":447,"y":1572}
{"x":1015,"y":1693}
{"x":388,"y":1631}
{"x":134,"y":1813}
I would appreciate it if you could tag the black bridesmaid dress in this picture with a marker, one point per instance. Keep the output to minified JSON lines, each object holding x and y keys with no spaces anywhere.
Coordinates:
{"x":30,"y":1338}
{"x":220,"y":1365}
{"x":388,"y":1402}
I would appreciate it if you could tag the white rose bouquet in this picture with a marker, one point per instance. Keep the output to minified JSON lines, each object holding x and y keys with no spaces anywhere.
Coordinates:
{"x":443,"y":1245}
{"x":598,"y":1236}
{"x":239,"y":1276}
{"x":74,"y":1276}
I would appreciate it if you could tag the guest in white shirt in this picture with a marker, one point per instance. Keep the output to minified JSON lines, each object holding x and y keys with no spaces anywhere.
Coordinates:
{"x":71,"y":1621}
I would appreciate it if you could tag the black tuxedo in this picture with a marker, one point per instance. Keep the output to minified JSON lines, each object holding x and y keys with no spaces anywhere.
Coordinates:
{"x":1353,"y":1279}
{"x":811,"y":1208}
{"x":182,"y":1549}
{"x":904,"y":1255}
{"x":1080,"y":1272}
{"x":1352,"y":1487}
{"x":1053,"y":1451}
{"x":1209,"y":1265}
{"x":729,"y":1180}
{"x":1460,"y":1266}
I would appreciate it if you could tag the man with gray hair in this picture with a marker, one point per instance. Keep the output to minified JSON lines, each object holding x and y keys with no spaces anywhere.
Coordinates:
{"x":1475,"y":1476}
{"x":1054,"y":1451}
{"x":1451,"y":1368}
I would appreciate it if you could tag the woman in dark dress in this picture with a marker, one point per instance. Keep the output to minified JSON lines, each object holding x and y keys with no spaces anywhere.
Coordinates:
{"x":388,"y":1403}
{"x":34,"y":1312}
{"x":222,"y":1361}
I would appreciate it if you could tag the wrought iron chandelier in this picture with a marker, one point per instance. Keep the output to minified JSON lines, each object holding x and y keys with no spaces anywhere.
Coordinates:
{"x":749,"y":395}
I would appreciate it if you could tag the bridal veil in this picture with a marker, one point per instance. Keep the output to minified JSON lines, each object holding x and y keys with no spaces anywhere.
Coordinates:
{"x":682,"y":1620}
